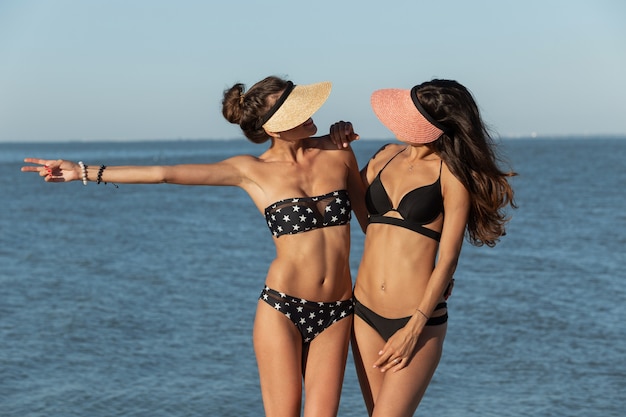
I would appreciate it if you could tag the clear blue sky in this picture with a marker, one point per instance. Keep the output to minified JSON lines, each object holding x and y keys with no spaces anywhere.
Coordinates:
{"x":155,"y":69}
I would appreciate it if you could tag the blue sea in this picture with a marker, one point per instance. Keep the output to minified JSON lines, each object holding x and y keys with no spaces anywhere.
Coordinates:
{"x":139,"y":300}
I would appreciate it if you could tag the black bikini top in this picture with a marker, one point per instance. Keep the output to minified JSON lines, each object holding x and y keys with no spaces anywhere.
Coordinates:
{"x":417,"y":207}
{"x":295,"y":215}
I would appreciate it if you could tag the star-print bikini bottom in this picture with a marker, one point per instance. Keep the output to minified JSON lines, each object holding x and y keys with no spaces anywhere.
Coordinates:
{"x":310,"y":317}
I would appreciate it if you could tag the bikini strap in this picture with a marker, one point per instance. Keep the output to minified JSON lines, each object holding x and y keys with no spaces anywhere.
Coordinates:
{"x":392,"y":158}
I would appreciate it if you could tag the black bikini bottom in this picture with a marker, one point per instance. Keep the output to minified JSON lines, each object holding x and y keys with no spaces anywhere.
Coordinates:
{"x":387,"y":327}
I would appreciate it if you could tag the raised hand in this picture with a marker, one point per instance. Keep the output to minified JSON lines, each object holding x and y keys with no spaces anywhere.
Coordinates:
{"x":54,"y":170}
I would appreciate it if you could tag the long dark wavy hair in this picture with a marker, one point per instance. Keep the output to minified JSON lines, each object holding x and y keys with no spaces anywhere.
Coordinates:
{"x":470,"y":153}
{"x":247,"y":108}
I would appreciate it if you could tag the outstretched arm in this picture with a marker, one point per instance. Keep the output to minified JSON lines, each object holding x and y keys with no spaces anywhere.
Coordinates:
{"x":226,"y":172}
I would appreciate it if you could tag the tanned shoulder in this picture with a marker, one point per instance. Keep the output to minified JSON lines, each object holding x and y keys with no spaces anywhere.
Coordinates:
{"x":323,"y":143}
{"x":383,"y":154}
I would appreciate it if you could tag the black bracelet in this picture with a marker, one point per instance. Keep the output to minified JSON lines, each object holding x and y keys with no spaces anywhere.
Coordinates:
{"x":423,"y":314}
{"x":100,"y":171}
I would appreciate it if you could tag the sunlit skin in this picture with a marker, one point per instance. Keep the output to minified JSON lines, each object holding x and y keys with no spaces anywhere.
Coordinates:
{"x":312,"y":265}
{"x":404,"y":274}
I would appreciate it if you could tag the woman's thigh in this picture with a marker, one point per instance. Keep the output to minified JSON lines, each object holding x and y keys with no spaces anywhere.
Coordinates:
{"x":325,"y":365}
{"x":396,"y":393}
{"x":366,"y":343}
{"x":278,"y":349}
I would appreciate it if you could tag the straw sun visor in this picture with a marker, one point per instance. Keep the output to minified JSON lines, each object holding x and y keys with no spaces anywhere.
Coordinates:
{"x":400,"y":111}
{"x":300,"y":105}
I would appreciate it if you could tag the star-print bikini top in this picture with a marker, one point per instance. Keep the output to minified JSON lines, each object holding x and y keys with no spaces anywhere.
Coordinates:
{"x":417,"y":207}
{"x":295,"y":215}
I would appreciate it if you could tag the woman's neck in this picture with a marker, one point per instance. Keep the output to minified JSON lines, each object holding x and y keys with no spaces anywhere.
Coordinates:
{"x":420,"y":152}
{"x":289,"y":150}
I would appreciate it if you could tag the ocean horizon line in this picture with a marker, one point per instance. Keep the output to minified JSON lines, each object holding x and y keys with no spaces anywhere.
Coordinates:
{"x":239,"y":138}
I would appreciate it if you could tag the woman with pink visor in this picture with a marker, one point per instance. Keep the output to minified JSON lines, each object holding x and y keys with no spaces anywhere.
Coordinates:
{"x":423,"y":196}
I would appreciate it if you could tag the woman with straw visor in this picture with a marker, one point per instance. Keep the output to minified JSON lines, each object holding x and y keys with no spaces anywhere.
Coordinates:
{"x":306,"y":188}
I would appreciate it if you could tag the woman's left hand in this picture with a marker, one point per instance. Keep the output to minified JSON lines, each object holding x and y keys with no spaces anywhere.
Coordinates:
{"x":398,"y":351}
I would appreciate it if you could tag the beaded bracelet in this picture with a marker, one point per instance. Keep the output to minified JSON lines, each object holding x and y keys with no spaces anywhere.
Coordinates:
{"x":83,"y":169}
{"x":100,"y":171}
{"x":99,"y":179}
{"x":422,"y":313}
